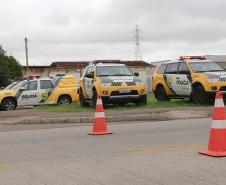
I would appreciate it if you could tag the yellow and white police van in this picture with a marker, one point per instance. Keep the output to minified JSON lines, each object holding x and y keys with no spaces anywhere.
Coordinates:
{"x":42,"y":91}
{"x":114,"y":83}
{"x":190,"y":76}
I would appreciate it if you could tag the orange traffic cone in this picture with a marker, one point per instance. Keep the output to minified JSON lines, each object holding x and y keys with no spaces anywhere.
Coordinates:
{"x":217,"y":139}
{"x":99,"y":123}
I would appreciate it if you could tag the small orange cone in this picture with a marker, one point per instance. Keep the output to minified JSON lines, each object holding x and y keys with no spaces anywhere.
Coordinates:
{"x":99,"y":123}
{"x":217,"y":139}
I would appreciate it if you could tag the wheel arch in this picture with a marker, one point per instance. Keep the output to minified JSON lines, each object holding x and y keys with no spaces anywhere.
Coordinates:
{"x":95,"y":89}
{"x":158,"y":85}
{"x":68,"y":95}
{"x":199,"y":98}
{"x":195,"y":84}
{"x":9,"y":97}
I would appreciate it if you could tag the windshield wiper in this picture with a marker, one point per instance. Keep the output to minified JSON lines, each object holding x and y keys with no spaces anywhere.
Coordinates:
{"x":215,"y":70}
{"x":122,"y":75}
{"x":103,"y":75}
{"x":200,"y":71}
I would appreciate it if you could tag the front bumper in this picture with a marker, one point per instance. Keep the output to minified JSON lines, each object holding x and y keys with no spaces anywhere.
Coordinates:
{"x":214,"y":87}
{"x":114,"y":90}
{"x":112,"y":94}
{"x":121,"y":99}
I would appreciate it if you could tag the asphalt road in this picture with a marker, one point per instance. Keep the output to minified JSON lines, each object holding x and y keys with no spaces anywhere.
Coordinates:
{"x":136,"y":154}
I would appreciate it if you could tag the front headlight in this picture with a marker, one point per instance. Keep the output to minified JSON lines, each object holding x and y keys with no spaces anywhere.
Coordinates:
{"x":213,"y":79}
{"x":139,"y":83}
{"x":105,"y":84}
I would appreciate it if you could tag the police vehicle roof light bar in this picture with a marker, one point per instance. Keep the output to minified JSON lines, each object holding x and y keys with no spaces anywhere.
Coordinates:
{"x":192,"y":57}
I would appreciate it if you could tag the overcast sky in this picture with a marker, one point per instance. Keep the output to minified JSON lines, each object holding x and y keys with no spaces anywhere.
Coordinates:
{"x":73,"y":30}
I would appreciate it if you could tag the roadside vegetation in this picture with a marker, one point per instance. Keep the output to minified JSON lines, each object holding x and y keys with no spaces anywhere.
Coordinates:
{"x":10,"y":69}
{"x":152,"y":103}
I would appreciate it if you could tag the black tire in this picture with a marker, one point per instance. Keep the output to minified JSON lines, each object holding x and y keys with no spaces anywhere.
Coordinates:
{"x":142,"y":100}
{"x":94,"y":98}
{"x":64,"y":100}
{"x":199,"y":95}
{"x":160,"y":94}
{"x":82,"y":100}
{"x":8,"y":104}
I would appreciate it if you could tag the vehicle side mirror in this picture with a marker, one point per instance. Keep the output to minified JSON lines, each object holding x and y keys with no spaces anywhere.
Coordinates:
{"x":186,"y":72}
{"x":136,"y":74}
{"x":22,"y":89}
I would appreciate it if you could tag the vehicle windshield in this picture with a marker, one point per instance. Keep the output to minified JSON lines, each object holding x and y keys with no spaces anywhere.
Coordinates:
{"x":14,"y":85}
{"x":205,"y":67}
{"x":10,"y":86}
{"x":113,"y":71}
{"x":56,"y":80}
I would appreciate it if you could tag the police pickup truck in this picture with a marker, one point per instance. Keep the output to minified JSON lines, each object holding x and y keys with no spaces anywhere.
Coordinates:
{"x":60,"y":90}
{"x":114,"y":83}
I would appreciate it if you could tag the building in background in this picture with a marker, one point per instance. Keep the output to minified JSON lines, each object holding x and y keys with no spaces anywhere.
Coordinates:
{"x":156,"y":63}
{"x":220,"y":59}
{"x":76,"y":68}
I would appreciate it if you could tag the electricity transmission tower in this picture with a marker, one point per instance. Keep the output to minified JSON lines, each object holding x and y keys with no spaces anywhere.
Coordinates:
{"x":138,"y":54}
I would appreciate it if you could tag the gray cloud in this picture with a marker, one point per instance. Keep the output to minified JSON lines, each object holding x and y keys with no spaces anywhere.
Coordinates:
{"x":103,"y":29}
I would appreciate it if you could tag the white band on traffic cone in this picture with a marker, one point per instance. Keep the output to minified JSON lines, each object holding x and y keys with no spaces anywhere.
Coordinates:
{"x":218,"y":124}
{"x":219,"y":103}
{"x":99,"y":101}
{"x":99,"y":115}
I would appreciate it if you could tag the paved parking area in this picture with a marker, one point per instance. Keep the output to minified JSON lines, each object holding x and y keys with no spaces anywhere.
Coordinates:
{"x":139,"y":153}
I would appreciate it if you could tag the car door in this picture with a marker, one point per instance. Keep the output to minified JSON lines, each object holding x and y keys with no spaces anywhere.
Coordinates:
{"x":45,"y":86}
{"x":183,"y":80}
{"x":29,"y":96}
{"x":88,"y":82}
{"x":171,"y":77}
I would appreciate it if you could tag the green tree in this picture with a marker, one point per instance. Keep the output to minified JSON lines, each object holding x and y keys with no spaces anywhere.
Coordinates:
{"x":10,"y":68}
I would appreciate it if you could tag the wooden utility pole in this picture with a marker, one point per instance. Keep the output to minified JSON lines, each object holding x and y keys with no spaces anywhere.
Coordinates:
{"x":26,"y":51}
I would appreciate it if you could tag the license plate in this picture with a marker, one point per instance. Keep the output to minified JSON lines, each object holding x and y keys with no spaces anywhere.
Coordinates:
{"x":124,"y":91}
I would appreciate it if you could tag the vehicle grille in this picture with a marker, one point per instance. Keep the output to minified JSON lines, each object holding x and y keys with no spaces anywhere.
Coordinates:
{"x":222,"y":79}
{"x":130,"y":83}
{"x":116,"y":84}
{"x":120,"y":83}
{"x":116,"y":93}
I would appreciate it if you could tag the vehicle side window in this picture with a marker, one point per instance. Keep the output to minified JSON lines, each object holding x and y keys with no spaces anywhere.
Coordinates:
{"x":57,"y":81}
{"x":45,"y":84}
{"x":161,"y":69}
{"x":32,"y":86}
{"x":24,"y":85}
{"x":183,"y":68}
{"x":172,"y":68}
{"x":89,"y":72}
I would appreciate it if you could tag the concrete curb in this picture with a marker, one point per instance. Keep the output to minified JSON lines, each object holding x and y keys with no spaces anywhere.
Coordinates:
{"x":145,"y":116}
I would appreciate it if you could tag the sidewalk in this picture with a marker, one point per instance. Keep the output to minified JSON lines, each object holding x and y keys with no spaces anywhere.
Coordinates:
{"x":31,"y":116}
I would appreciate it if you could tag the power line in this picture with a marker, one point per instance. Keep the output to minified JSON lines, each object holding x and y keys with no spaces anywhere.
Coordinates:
{"x":138,"y":54}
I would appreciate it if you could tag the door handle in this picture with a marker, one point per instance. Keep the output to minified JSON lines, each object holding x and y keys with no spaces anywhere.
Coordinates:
{"x":177,"y":78}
